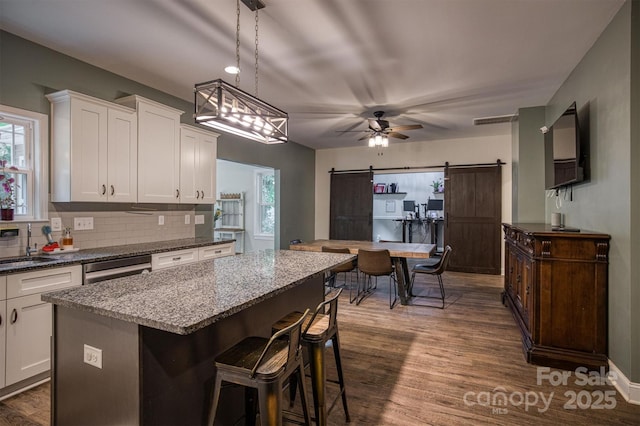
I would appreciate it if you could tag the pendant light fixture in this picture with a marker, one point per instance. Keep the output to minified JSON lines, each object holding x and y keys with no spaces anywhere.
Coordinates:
{"x":224,"y":107}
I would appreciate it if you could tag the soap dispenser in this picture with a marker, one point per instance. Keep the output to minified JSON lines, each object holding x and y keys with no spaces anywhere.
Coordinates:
{"x":67,"y":239}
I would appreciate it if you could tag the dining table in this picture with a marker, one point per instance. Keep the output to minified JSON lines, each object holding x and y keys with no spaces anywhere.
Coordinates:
{"x":399,"y":252}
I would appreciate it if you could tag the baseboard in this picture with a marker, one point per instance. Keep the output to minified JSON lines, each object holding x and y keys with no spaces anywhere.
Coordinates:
{"x":629,"y":390}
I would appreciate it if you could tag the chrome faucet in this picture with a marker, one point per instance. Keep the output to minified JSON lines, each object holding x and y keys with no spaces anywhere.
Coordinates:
{"x":35,"y":246}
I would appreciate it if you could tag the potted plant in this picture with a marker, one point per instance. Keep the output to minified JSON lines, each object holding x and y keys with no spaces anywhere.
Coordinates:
{"x":8,"y":184}
{"x":216,"y":216}
{"x":438,"y":186}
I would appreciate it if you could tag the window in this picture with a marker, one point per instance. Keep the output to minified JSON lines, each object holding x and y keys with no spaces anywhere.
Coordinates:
{"x":265,"y":204}
{"x":23,"y":159}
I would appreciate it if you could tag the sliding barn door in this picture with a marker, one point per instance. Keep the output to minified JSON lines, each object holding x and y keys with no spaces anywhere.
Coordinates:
{"x":473,"y":203}
{"x":351,"y":206}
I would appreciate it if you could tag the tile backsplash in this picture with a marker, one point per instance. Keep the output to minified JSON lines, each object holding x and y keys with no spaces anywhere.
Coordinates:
{"x":112,"y":225}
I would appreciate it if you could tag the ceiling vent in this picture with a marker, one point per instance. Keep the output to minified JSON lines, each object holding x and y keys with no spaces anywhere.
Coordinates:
{"x":495,"y":120}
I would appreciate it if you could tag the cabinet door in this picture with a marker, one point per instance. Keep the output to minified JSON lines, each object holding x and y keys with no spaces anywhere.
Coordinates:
{"x":3,"y":336}
{"x":188,"y":165}
{"x":28,"y":338}
{"x":197,"y":166}
{"x":206,"y":179}
{"x":88,"y":151}
{"x":159,"y":154}
{"x":527,"y":292}
{"x":122,"y":165}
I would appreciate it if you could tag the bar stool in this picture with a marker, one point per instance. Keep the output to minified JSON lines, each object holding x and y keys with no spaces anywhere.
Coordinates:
{"x":319,"y":329}
{"x":264,"y":364}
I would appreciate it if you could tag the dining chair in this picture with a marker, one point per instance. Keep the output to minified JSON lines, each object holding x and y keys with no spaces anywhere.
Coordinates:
{"x":376,"y":263}
{"x":266,"y":365}
{"x":347,"y":269}
{"x":436,"y":269}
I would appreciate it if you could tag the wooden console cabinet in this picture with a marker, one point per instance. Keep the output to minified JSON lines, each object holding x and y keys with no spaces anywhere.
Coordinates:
{"x":555,"y":284}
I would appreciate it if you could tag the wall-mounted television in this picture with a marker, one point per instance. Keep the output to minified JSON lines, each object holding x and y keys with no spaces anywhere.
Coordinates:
{"x":564,"y":156}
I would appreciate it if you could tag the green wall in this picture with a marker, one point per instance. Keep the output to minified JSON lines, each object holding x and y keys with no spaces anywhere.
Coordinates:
{"x":605,"y":87}
{"x":28,"y":71}
{"x":527,"y":183}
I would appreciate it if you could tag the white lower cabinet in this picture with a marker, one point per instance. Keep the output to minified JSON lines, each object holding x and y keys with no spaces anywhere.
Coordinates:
{"x":184,"y":257}
{"x":26,"y":321}
{"x":3,"y":326}
{"x":219,"y":250}
{"x":173,"y":258}
{"x":28,"y":338}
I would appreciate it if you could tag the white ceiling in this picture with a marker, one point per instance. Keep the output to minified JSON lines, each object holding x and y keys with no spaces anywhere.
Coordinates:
{"x":331,"y":63}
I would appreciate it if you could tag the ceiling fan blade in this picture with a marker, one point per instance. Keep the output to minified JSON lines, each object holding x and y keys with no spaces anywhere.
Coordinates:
{"x":350,"y":131}
{"x":397,"y":135}
{"x":364,"y":137}
{"x":374,"y":125}
{"x":406,"y":127}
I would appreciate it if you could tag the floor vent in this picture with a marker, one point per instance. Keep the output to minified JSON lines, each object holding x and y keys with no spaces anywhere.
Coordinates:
{"x":495,"y":120}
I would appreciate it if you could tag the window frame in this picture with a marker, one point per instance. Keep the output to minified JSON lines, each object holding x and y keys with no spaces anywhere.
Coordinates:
{"x":258,"y":234}
{"x":37,"y":171}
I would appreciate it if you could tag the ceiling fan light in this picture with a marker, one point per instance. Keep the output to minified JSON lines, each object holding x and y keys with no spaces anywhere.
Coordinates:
{"x":232,"y":69}
{"x":385,"y":141}
{"x":372,"y":142}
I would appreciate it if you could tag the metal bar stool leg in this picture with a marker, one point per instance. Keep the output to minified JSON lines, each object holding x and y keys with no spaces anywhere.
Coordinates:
{"x":214,"y":399}
{"x":336,"y":353}
{"x":270,"y":403}
{"x":318,"y":379}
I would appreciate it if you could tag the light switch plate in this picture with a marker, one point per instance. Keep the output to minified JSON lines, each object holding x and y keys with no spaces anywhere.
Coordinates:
{"x":161,"y":220}
{"x":199,"y":219}
{"x":187,"y":219}
{"x":56,"y":224}
{"x":82,"y":223}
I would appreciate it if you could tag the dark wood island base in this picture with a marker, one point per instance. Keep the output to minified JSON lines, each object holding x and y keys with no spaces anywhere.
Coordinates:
{"x":151,"y":376}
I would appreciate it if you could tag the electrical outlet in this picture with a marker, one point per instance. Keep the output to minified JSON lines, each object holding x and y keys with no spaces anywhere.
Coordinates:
{"x":199,"y":219}
{"x":93,"y":356}
{"x":161,"y":220}
{"x":56,"y":224}
{"x":82,"y":223}
{"x":187,"y":219}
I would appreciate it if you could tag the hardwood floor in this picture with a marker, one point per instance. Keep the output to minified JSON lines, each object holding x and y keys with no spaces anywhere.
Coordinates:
{"x":415,"y":365}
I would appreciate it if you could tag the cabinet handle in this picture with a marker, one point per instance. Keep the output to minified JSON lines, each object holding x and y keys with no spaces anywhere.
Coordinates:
{"x":0,"y":319}
{"x":197,"y":195}
{"x":218,"y":251}
{"x":176,"y":258}
{"x":202,"y":194}
{"x":177,"y":193}
{"x":113,"y":190}
{"x":14,"y":317}
{"x":104,"y":189}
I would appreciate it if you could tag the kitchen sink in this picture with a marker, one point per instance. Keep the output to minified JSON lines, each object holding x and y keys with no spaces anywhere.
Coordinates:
{"x":15,"y":262}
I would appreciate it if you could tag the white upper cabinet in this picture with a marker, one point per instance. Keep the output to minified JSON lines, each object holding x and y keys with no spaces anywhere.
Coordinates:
{"x":94,"y":149}
{"x":198,"y":150}
{"x":158,"y":150}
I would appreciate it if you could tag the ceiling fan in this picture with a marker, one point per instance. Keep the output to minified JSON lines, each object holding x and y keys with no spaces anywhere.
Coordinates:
{"x":379,"y":130}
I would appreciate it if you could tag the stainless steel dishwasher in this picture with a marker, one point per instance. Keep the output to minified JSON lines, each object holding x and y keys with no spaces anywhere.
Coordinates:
{"x":109,"y":269}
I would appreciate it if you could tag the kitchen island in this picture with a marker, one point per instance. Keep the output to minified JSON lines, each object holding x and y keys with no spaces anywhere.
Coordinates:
{"x":159,"y":333}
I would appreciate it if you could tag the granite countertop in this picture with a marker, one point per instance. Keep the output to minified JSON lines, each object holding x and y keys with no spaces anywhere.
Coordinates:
{"x":187,"y":298}
{"x":113,"y":252}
